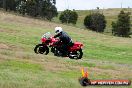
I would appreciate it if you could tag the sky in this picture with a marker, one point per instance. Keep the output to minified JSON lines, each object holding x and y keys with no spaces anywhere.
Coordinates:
{"x":92,"y":4}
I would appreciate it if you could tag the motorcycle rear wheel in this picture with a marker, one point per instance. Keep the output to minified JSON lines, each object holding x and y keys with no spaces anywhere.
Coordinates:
{"x":78,"y":55}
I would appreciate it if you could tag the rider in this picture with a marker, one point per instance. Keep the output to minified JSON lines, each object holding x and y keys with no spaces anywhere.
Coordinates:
{"x":64,"y":38}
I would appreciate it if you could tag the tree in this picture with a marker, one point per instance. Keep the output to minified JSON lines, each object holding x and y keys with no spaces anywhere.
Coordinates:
{"x":52,"y":12}
{"x":95,"y":22}
{"x":21,"y":6}
{"x":1,"y":3}
{"x":74,"y":17}
{"x":122,"y":26}
{"x":35,"y":8}
{"x":4,"y":5}
{"x":11,"y":5}
{"x":8,"y":5}
{"x":47,"y":10}
{"x":31,"y":8}
{"x":68,"y":16}
{"x":42,"y":8}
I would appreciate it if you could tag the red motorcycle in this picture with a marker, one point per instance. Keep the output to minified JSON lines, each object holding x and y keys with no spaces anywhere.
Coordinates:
{"x":48,"y":41}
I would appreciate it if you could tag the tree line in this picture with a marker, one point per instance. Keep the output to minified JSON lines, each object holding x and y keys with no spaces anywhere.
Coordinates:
{"x":35,"y":8}
{"x":96,"y":22}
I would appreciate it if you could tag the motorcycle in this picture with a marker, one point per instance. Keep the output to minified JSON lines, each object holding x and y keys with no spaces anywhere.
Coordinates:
{"x":48,"y":41}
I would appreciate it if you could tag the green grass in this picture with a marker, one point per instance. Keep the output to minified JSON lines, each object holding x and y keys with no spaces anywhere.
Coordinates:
{"x":21,"y":74}
{"x":104,"y":56}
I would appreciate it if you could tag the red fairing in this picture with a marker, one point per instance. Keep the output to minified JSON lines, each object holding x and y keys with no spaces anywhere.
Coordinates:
{"x":43,"y":40}
{"x":76,"y":46}
{"x":54,"y":39}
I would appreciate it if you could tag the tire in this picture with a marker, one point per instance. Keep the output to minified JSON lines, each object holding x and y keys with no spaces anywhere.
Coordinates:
{"x":80,"y":54}
{"x":41,"y":49}
{"x":57,"y":52}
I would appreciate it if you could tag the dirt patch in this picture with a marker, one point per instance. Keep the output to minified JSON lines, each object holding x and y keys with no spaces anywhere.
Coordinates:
{"x":3,"y":46}
{"x":10,"y":31}
{"x":10,"y":47}
{"x":114,"y":74}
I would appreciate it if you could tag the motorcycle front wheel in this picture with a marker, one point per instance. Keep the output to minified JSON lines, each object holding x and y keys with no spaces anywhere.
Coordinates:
{"x":41,"y":49}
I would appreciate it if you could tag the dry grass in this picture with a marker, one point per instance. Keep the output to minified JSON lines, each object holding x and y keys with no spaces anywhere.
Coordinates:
{"x":3,"y":46}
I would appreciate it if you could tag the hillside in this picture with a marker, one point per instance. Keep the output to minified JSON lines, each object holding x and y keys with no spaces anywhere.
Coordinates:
{"x":105,"y":57}
{"x":110,"y":14}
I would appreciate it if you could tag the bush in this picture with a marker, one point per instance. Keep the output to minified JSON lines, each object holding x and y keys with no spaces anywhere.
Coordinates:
{"x":122,"y":26}
{"x":68,"y":16}
{"x":95,"y":22}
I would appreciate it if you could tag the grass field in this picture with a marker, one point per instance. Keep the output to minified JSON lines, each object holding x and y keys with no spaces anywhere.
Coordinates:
{"x":105,"y":57}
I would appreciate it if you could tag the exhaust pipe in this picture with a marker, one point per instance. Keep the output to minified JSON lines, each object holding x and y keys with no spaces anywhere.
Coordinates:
{"x":72,"y":56}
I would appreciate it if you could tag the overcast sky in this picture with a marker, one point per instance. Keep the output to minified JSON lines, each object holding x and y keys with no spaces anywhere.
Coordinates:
{"x":91,"y":4}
